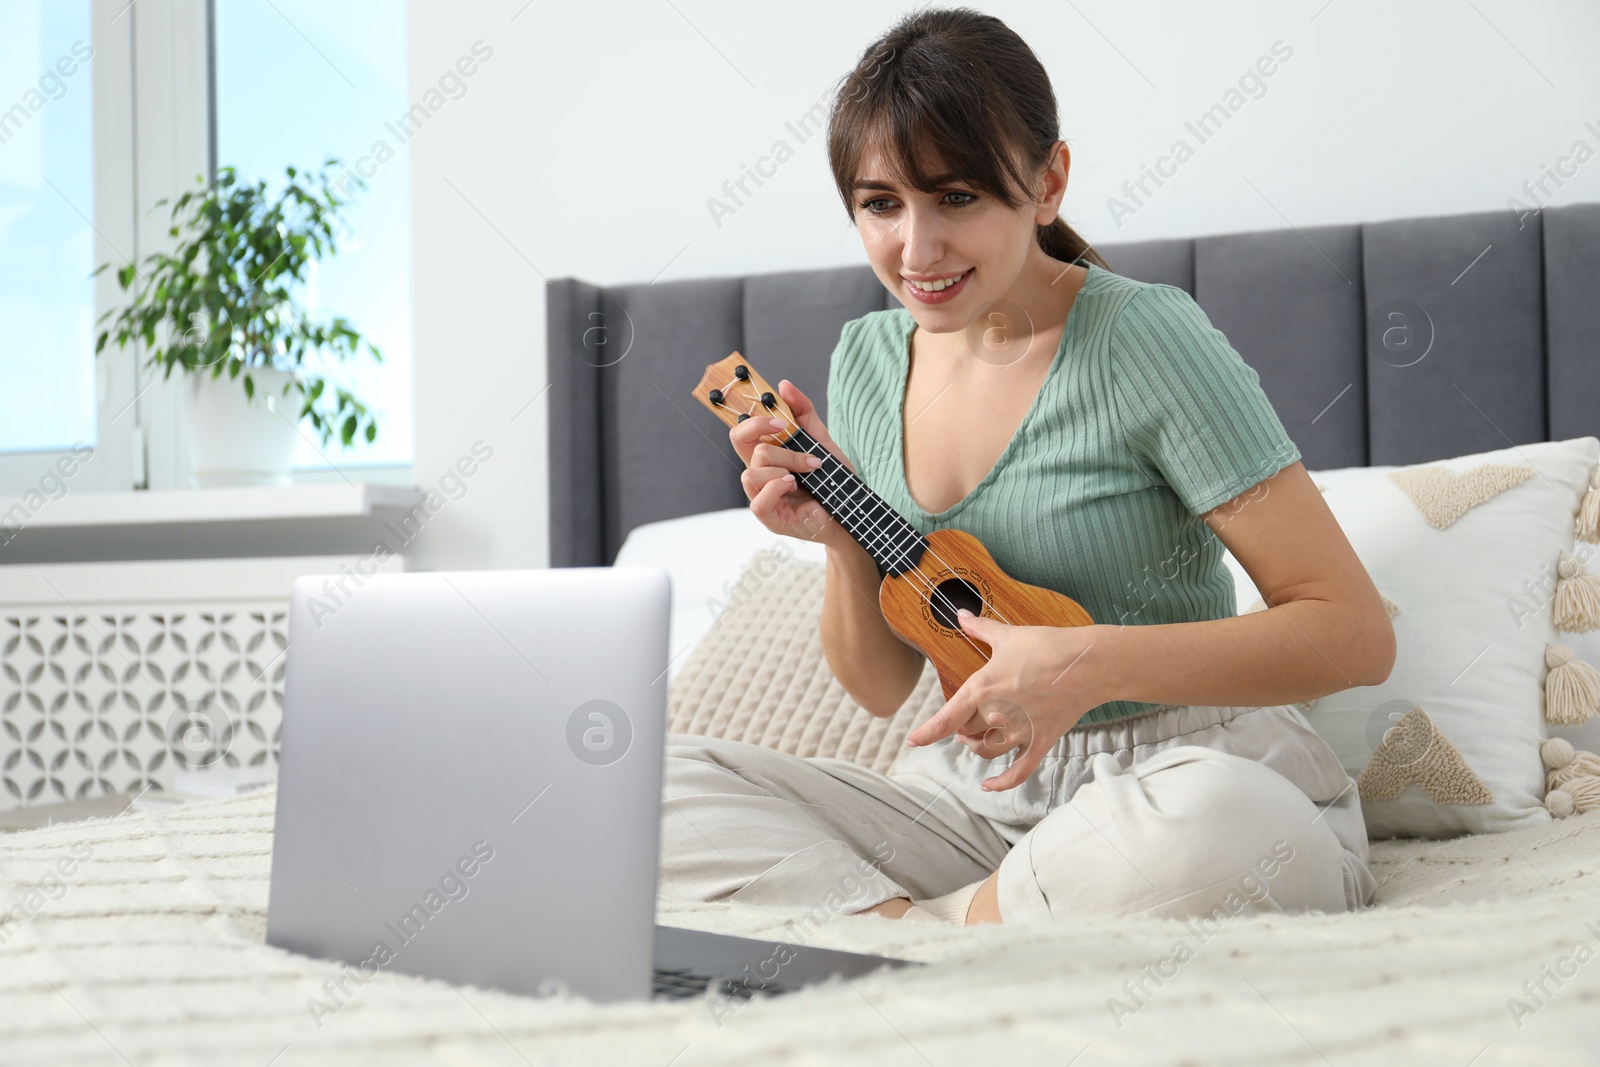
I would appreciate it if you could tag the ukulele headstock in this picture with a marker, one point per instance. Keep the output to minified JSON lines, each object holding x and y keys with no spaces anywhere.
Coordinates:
{"x":733,"y":391}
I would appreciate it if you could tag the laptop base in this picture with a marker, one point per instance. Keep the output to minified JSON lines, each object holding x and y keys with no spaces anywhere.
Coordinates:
{"x":688,"y":963}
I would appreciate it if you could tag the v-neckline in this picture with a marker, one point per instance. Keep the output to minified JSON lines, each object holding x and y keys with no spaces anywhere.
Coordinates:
{"x":999,"y":464}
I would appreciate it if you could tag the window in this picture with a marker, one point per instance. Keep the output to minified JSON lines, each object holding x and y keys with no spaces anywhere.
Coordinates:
{"x":107,"y":107}
{"x":348,"y":83}
{"x":46,"y":240}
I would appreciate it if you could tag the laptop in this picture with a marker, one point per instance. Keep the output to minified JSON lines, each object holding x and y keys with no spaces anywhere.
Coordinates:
{"x":469,"y":788}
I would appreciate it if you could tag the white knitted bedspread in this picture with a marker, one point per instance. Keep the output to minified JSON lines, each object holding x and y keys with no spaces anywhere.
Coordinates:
{"x":154,"y":954}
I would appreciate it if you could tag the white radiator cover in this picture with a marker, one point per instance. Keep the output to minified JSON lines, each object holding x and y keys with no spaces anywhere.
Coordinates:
{"x":115,"y":676}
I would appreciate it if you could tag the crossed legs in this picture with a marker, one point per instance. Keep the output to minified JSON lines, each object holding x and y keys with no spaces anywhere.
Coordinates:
{"x":1182,"y":832}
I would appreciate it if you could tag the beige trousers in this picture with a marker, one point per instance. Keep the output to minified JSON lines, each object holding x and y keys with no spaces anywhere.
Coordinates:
{"x":1181,"y":812}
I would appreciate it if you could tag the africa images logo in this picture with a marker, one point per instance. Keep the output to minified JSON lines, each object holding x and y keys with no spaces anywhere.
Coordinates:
{"x":599,"y":732}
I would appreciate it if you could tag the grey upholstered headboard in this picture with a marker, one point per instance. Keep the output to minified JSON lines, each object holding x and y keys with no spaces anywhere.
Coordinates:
{"x":1510,"y":306}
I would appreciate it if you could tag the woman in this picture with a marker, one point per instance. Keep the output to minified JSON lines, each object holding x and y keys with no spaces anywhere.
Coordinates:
{"x":1101,"y":439}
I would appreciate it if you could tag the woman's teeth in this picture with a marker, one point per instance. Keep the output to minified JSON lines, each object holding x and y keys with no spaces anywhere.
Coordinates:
{"x":934,"y":287}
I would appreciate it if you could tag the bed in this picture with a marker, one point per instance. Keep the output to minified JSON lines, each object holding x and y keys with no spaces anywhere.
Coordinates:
{"x":143,"y":934}
{"x":155,"y":954}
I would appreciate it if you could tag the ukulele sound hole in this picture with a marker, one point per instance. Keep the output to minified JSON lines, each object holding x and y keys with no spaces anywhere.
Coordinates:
{"x":950,"y":596}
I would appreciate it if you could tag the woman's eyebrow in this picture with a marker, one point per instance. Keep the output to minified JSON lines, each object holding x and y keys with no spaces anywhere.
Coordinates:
{"x":873,"y":183}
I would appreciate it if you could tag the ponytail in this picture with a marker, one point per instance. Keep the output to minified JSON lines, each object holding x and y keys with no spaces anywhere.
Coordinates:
{"x":1062,"y":242}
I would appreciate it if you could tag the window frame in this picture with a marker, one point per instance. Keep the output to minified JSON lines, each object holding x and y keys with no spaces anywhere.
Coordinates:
{"x":154,"y":130}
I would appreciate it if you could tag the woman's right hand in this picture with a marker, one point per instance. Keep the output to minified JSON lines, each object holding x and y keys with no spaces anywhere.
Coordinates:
{"x":775,"y":496}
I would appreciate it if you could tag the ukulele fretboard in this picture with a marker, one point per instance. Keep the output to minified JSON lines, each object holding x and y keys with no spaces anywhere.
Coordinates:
{"x":892,"y":542}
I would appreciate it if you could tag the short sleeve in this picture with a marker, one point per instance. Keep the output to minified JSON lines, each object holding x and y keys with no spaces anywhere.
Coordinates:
{"x":1195,"y":409}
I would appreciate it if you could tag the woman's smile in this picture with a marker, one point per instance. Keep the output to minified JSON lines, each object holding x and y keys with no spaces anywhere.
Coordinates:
{"x":950,"y":290}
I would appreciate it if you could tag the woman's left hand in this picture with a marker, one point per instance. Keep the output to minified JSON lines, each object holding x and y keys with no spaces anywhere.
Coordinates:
{"x":1039,"y":681}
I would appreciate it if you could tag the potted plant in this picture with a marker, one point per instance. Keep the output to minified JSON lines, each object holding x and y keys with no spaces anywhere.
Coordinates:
{"x":223,"y":301}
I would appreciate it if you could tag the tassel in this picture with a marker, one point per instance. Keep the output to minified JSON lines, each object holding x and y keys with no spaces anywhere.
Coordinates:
{"x":1585,"y":794}
{"x":1588,"y":525}
{"x":1577,"y":607}
{"x":1571,"y":689}
{"x":1578,"y":797}
{"x":1560,"y":803}
{"x":1566,"y":763}
{"x":1573,"y":784}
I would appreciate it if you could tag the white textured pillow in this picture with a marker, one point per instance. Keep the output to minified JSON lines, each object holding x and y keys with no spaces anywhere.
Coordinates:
{"x":1465,"y":551}
{"x":759,"y":676}
{"x":704,"y":555}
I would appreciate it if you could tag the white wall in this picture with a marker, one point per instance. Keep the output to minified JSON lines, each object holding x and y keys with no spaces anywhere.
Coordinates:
{"x":590,"y":141}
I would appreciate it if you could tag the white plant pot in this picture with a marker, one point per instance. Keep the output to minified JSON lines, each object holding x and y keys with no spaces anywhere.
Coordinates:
{"x":234,"y":439}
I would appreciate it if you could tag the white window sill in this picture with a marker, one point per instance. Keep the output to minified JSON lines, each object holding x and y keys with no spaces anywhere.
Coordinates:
{"x":396,"y":474}
{"x":294,"y":520}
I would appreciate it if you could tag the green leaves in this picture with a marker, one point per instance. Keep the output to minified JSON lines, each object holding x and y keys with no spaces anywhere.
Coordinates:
{"x":347,"y":416}
{"x":225,"y":298}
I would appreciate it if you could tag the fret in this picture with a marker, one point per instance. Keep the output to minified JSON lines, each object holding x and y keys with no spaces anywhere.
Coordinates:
{"x":893,"y":543}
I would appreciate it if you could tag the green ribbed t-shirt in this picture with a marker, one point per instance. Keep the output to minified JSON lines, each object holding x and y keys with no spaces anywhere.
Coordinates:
{"x":1146,"y":420}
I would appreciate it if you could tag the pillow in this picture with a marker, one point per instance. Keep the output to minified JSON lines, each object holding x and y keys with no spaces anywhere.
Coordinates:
{"x":1585,"y":646}
{"x":1466,"y":553}
{"x":703,"y":554}
{"x":758,"y":674}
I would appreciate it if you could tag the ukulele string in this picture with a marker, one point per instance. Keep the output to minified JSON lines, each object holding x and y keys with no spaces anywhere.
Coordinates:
{"x":929,"y":549}
{"x":927,"y":591}
{"x":825,"y":456}
{"x":884,"y":539}
{"x":889,"y":547}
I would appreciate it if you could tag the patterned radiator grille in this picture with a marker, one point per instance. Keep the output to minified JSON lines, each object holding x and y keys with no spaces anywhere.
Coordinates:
{"x":97,"y":700}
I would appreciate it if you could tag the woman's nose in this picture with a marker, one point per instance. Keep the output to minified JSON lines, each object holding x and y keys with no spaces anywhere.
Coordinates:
{"x":922,"y":241}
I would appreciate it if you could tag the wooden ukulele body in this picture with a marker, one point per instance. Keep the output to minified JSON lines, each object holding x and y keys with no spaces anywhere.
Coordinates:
{"x":956,"y":572}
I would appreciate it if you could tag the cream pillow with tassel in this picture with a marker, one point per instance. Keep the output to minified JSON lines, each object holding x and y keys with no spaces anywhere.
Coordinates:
{"x":1479,"y":560}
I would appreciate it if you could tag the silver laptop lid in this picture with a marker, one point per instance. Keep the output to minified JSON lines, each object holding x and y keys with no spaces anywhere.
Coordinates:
{"x":469,"y":776}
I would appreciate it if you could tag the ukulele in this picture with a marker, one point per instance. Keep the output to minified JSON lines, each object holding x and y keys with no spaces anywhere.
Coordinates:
{"x":926,"y":579}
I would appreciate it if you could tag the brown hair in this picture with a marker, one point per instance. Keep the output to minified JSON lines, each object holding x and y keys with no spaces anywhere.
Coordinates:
{"x":963,"y":85}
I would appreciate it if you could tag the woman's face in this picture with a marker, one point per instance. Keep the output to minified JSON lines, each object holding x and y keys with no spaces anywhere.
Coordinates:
{"x":955,"y":233}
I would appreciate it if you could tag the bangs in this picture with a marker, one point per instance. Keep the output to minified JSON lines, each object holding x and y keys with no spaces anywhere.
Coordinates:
{"x":950,"y":96}
{"x":930,"y":133}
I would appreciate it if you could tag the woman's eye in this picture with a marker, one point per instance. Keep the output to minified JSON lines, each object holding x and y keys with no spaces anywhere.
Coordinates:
{"x":878,"y":205}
